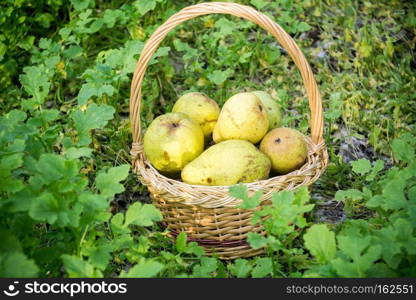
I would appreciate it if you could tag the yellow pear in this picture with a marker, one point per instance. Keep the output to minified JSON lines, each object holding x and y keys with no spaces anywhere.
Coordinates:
{"x":286,"y":148}
{"x":171,"y":141}
{"x":242,"y":117}
{"x":201,"y":109}
{"x":226,"y":163}
{"x":274,"y":113}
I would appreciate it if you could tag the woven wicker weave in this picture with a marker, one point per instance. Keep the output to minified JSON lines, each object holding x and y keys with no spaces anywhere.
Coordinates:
{"x":207,"y":213}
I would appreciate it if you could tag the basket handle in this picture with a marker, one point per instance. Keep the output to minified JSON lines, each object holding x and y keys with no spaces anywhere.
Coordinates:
{"x":246,"y":12}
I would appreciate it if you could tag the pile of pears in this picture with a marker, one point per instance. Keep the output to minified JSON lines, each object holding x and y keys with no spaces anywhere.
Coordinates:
{"x":206,"y":145}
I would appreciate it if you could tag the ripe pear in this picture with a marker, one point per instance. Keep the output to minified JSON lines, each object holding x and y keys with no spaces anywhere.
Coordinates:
{"x":274,"y":112}
{"x":226,"y":163}
{"x":242,"y":117}
{"x":286,"y":148}
{"x":201,"y":109}
{"x":171,"y":141}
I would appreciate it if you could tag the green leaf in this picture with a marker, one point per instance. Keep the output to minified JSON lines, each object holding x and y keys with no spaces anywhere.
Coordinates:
{"x":378,"y":166}
{"x":45,"y":208}
{"x":91,"y":89}
{"x":392,"y":198}
{"x":181,"y":242}
{"x":16,"y":264}
{"x":35,"y":81}
{"x":259,"y":4}
{"x":411,"y":194}
{"x":302,"y":27}
{"x":360,"y":256}
{"x":352,"y":194}
{"x":361,"y":166}
{"x":256,"y":240}
{"x":320,"y":241}
{"x":263,"y":267}
{"x":142,"y":215}
{"x":81,"y":4}
{"x":206,"y":268}
{"x":51,"y":167}
{"x":108,"y":182}
{"x":194,"y":248}
{"x":218,"y":77}
{"x":403,"y":151}
{"x":239,"y":191}
{"x":74,"y":153}
{"x":100,"y":256}
{"x":225,"y":26}
{"x":147,"y":269}
{"x":96,"y":116}
{"x":79,"y":268}
{"x":144,"y":6}
{"x":125,"y":58}
{"x":241,"y":268}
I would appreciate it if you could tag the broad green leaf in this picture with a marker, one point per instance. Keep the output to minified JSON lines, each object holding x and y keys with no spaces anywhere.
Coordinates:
{"x":194,"y":248}
{"x":74,"y":153}
{"x":259,"y":4}
{"x":320,"y":241}
{"x":256,"y":240}
{"x":225,"y":26}
{"x":81,"y":4}
{"x":108,"y":182}
{"x":142,"y":215}
{"x":79,"y":268}
{"x":125,"y":58}
{"x":45,"y":208}
{"x":181,"y":242}
{"x":352,"y":194}
{"x":263,"y":267}
{"x":17,"y":264}
{"x":147,"y":269}
{"x":219,"y":77}
{"x":302,"y":26}
{"x":36,"y":83}
{"x":240,"y":268}
{"x":361,"y":166}
{"x":144,"y":6}
{"x":91,"y":89}
{"x":403,"y":151}
{"x":360,"y":256}
{"x":100,"y":256}
{"x":239,"y":191}
{"x":282,"y":198}
{"x":96,"y":116}
{"x":378,"y":166}
{"x":10,"y":243}
{"x":206,"y":268}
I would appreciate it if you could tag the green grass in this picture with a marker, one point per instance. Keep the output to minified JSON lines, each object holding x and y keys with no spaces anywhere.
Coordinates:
{"x":52,"y":70}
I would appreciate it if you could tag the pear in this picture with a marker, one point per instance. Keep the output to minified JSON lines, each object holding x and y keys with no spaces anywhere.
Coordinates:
{"x":243,"y":117}
{"x":286,"y":148}
{"x":201,"y":109}
{"x":171,"y":141}
{"x":226,"y":163}
{"x":274,"y":112}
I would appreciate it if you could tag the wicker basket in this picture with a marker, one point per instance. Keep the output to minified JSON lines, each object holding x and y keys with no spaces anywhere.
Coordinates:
{"x":207,"y":213}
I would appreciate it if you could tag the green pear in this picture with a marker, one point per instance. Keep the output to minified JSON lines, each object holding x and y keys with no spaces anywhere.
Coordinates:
{"x":201,"y":109}
{"x":274,"y":112}
{"x":227,"y":163}
{"x":286,"y":148}
{"x":242,"y":117}
{"x":171,"y":141}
